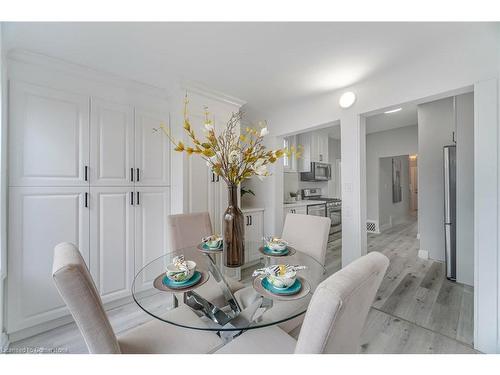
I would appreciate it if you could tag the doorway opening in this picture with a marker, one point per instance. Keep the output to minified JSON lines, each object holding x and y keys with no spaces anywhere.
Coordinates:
{"x":407,"y":199}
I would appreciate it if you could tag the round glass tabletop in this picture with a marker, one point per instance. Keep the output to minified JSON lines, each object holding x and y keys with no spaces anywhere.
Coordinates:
{"x":225,"y":299}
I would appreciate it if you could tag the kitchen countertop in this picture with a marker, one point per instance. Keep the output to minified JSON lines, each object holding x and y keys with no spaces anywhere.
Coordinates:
{"x":302,"y":203}
{"x":252,"y":209}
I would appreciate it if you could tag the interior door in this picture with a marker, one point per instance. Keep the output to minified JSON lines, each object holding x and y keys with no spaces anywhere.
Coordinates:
{"x":112,"y":144}
{"x":152,"y":149}
{"x":39,"y":219}
{"x":48,"y":136}
{"x":112,"y":240}
{"x":152,"y":207}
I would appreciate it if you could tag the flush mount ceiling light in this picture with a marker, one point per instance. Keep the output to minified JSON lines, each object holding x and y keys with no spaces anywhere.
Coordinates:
{"x":347,"y":99}
{"x":393,"y":110}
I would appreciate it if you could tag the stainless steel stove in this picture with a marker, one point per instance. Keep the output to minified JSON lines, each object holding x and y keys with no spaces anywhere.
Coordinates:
{"x":332,"y":207}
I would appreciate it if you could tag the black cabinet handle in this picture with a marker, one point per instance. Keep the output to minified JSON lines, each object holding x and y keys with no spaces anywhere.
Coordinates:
{"x":138,"y":198}
{"x":131,"y":198}
{"x":131,"y":174}
{"x":137,"y":175}
{"x":213,"y":177}
{"x":86,"y":172}
{"x":250,"y":217}
{"x":217,"y":178}
{"x":86,"y":199}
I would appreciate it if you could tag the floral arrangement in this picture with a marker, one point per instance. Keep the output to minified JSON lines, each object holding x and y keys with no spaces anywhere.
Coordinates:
{"x":232,"y":155}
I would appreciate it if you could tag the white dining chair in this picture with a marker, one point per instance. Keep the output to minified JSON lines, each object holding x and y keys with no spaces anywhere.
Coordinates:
{"x":309,"y":235}
{"x":76,"y":287}
{"x":335,"y":317}
{"x":187,"y":230}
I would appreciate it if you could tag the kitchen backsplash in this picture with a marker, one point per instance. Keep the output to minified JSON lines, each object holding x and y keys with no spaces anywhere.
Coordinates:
{"x":292,"y":184}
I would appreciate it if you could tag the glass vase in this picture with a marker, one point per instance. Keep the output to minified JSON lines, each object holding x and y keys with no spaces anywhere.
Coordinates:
{"x":234,"y":231}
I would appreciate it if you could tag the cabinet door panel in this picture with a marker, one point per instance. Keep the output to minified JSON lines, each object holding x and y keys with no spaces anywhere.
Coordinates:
{"x":39,"y":219}
{"x":112,"y":144}
{"x":112,"y":241}
{"x":49,"y":136}
{"x":152,"y":149}
{"x":254,"y":227}
{"x":151,"y":237}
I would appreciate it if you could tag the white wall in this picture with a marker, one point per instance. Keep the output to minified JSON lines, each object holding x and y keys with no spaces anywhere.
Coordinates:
{"x":394,"y":142}
{"x":465,"y":187}
{"x":3,"y":184}
{"x":486,"y":223}
{"x":392,"y":213}
{"x":435,"y":130}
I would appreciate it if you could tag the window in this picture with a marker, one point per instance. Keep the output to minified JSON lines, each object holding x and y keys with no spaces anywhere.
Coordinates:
{"x":286,"y":159}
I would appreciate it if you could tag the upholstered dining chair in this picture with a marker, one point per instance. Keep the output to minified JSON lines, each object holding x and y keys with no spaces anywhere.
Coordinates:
{"x":187,"y":230}
{"x":335,"y":317}
{"x":308,"y":234}
{"x":76,"y":287}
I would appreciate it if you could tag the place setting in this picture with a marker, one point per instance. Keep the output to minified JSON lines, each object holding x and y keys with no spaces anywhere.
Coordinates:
{"x":211,"y":244}
{"x":281,"y":282}
{"x":180,"y":276}
{"x":276,"y":247}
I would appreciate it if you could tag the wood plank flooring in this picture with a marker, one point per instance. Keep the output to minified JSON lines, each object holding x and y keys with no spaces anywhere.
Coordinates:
{"x":416,"y":309}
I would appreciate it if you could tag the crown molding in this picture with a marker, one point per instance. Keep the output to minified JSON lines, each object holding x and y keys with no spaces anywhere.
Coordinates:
{"x":52,"y":63}
{"x":201,"y":89}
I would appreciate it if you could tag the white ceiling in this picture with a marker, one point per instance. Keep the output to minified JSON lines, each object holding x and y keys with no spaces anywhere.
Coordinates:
{"x":265,"y":64}
{"x":380,"y":122}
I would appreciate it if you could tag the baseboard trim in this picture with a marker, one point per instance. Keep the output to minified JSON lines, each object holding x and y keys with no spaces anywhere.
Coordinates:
{"x":36,"y":329}
{"x":423,"y":254}
{"x":4,"y":343}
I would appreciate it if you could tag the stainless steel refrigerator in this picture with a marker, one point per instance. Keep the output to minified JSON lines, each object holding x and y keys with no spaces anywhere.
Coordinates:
{"x":450,"y":210}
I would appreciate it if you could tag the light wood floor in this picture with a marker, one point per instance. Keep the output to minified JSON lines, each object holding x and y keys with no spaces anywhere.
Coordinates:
{"x":416,"y":309}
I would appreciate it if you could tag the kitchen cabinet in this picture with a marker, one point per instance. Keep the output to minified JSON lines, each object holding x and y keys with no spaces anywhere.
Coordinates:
{"x":86,"y":170}
{"x":315,"y":149}
{"x":290,"y":163}
{"x":152,"y":149}
{"x":151,"y":209}
{"x":112,"y":226}
{"x":48,"y":136}
{"x":302,"y":210}
{"x":112,"y":143}
{"x":39,"y":219}
{"x":254,"y":231}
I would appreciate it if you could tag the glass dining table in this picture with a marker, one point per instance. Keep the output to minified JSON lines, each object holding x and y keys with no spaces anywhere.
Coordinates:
{"x":228,"y":300}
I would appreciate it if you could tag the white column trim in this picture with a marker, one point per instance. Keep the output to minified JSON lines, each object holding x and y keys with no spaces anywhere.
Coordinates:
{"x":486,"y":223}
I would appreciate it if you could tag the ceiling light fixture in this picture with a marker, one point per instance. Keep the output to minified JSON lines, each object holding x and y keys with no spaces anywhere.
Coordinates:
{"x":347,"y":99}
{"x":393,"y":110}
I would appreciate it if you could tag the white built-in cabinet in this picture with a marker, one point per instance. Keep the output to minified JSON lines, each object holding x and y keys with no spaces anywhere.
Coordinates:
{"x":315,"y":149}
{"x":48,"y":136}
{"x":87,"y":170}
{"x":301,"y":210}
{"x":39,"y":218}
{"x":254,"y":231}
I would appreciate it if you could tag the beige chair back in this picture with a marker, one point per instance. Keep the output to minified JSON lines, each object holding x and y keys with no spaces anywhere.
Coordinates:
{"x":77,"y":289}
{"x":187,"y":230}
{"x":308,"y":234}
{"x":339,"y":307}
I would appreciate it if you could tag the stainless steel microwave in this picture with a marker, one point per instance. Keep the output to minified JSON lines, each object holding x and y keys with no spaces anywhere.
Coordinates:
{"x":319,"y":172}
